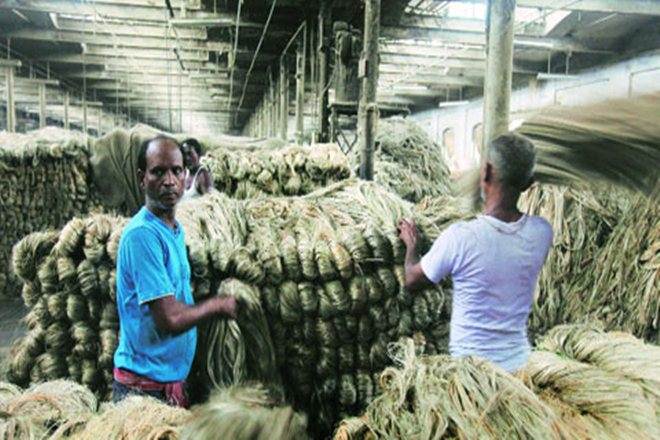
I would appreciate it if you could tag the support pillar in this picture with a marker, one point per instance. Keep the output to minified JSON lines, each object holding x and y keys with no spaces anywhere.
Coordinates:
{"x":84,"y":103}
{"x":66,"y":110}
{"x":323,"y":41}
{"x":284,"y":100}
{"x":300,"y":88}
{"x":273,"y":107}
{"x":499,"y":67}
{"x":42,"y":105}
{"x":368,"y":71}
{"x":11,"y":103}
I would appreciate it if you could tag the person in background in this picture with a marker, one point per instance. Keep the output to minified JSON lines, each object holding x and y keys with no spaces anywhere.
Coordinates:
{"x":494,"y":260}
{"x":157,"y":314}
{"x":198,"y":179}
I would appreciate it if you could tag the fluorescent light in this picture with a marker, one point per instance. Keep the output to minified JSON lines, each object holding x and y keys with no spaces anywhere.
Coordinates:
{"x":554,"y":76}
{"x":452,"y":103}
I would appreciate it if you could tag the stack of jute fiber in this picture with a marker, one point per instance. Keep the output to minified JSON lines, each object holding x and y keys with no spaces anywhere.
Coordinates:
{"x":44,"y":409}
{"x":602,"y":385}
{"x":603,"y":262}
{"x":582,"y":220}
{"x":291,"y":170}
{"x":320,"y":279}
{"x":46,"y":181}
{"x":327,"y":271}
{"x":407,"y":161}
{"x":69,"y":287}
{"x":579,"y":384}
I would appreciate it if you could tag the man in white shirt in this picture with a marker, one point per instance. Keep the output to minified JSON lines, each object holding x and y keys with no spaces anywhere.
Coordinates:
{"x":494,"y":260}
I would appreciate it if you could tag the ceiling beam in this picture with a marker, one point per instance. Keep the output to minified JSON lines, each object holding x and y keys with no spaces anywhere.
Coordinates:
{"x":147,"y":54}
{"x":446,"y":23}
{"x":429,"y":79}
{"x":203,"y":20}
{"x":479,"y":38}
{"x":125,"y":63}
{"x":642,"y":7}
{"x":118,"y":42}
{"x":132,"y":30}
{"x":188,"y":4}
{"x":77,"y":8}
{"x":432,"y":61}
{"x":388,"y":48}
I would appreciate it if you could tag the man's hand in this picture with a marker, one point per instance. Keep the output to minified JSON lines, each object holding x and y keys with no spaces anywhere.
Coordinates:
{"x":408,"y":233}
{"x":226,"y":306}
{"x":415,"y":277}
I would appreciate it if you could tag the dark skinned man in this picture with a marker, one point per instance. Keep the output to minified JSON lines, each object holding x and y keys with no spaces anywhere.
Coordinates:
{"x":157,"y":314}
{"x":494,"y":261}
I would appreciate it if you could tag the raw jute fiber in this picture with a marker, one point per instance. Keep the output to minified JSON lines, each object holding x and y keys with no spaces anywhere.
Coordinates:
{"x":245,"y":412}
{"x":437,"y":397}
{"x":40,"y":411}
{"x":135,"y":417}
{"x":407,"y":161}
{"x":584,"y":388}
{"x":46,"y":180}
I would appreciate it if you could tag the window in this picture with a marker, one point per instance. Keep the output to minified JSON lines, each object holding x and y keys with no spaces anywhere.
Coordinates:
{"x":477,"y":142}
{"x":449,"y":147}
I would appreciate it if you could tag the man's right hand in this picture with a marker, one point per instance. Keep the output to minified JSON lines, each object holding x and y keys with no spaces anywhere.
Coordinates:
{"x":226,"y":306}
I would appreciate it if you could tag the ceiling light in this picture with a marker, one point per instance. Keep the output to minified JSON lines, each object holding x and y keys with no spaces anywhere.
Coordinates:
{"x":452,"y":103}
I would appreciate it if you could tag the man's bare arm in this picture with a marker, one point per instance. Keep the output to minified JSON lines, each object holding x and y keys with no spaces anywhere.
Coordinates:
{"x":415,"y":277}
{"x":176,"y":317}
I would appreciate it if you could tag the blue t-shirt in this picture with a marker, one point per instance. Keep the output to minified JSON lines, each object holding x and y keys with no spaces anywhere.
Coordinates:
{"x":152,"y":263}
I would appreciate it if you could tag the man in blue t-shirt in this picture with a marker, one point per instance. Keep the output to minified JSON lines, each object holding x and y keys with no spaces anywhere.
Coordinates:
{"x":157,"y":314}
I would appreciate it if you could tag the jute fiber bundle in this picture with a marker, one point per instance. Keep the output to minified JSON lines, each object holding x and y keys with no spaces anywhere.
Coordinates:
{"x":326,"y":270}
{"x":319,"y":277}
{"x":617,"y":353}
{"x":592,"y":402}
{"x":616,"y":140}
{"x":134,"y":418}
{"x":69,"y":286}
{"x":46,"y":181}
{"x":588,"y":384}
{"x":292,"y":170}
{"x":407,"y":161}
{"x":437,"y":397}
{"x":603,"y":262}
{"x":42,"y":410}
{"x":244,"y":413}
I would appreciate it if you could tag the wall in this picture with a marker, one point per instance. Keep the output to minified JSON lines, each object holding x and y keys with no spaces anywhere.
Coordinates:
{"x":628,"y":78}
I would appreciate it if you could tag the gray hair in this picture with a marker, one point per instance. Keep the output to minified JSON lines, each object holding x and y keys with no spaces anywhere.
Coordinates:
{"x":513,"y":157}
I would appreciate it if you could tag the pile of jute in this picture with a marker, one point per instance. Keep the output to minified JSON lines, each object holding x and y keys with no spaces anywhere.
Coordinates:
{"x":580,"y":382}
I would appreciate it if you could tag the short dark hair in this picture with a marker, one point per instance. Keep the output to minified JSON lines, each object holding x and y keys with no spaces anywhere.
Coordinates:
{"x":193,"y":143}
{"x":144,"y":146}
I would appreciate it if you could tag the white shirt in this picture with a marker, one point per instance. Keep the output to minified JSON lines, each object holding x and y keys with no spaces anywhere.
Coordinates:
{"x":495,"y":267}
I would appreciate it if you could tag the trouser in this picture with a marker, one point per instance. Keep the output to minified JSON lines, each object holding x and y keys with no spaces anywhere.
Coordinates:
{"x":121,"y":391}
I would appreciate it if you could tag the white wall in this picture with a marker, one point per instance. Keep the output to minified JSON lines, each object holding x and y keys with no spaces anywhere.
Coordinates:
{"x":629,"y":78}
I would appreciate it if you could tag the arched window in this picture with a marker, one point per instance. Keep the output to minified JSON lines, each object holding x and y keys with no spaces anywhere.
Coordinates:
{"x":477,"y":141}
{"x":449,"y":147}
